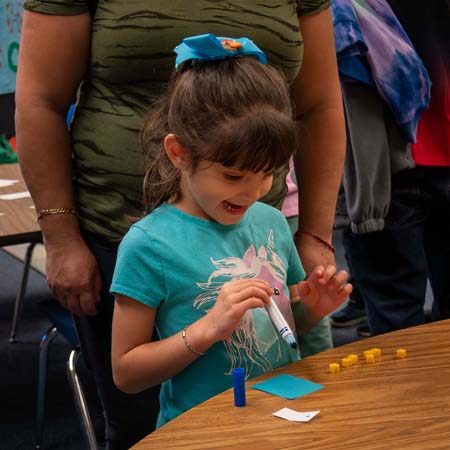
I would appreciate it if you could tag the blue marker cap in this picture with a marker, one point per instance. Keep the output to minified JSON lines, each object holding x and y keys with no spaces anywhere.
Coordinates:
{"x":239,"y":386}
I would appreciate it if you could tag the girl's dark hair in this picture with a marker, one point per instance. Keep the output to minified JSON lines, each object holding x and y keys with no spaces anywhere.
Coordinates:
{"x":235,"y":111}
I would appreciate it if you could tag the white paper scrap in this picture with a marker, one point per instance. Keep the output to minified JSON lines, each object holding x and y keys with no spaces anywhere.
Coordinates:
{"x":15,"y":195}
{"x":6,"y":183}
{"x":295,"y":416}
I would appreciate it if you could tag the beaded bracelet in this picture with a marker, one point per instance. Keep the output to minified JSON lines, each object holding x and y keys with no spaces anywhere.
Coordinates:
{"x":48,"y":212}
{"x":186,"y":343}
{"x":317,"y":238}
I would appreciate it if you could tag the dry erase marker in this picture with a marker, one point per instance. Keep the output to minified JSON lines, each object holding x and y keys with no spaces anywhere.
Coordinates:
{"x":279,"y":322}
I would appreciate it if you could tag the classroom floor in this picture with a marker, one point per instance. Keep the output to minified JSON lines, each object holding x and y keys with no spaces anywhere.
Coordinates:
{"x":38,"y":261}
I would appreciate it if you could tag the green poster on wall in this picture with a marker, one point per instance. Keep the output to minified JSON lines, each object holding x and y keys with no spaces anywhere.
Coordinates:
{"x":11,"y":12}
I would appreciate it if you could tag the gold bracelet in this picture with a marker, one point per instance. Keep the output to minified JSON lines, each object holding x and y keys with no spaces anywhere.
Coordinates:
{"x":186,"y":343}
{"x":48,"y":212}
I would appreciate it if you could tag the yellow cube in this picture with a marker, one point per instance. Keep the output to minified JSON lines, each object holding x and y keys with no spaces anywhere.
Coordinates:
{"x":367,"y":352}
{"x":401,"y":353}
{"x":370,"y":358}
{"x":334,"y":367}
{"x":354,"y":358}
{"x":376,"y":352}
{"x":347,"y":362}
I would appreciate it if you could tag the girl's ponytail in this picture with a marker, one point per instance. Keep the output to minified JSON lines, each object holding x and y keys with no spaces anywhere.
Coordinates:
{"x":162,"y":179}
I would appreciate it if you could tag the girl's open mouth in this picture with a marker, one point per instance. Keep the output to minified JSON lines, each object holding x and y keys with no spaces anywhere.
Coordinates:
{"x":234,"y":209}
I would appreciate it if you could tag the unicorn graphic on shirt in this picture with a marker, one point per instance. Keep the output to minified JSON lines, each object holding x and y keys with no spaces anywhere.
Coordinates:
{"x":249,"y":343}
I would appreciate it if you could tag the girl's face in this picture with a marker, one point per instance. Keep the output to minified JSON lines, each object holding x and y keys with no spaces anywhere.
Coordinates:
{"x":219,"y":193}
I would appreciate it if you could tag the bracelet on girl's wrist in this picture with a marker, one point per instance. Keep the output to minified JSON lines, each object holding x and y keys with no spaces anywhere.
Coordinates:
{"x":316,"y":237}
{"x":188,"y":345}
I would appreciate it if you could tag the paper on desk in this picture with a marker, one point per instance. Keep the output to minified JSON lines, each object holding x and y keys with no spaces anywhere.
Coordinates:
{"x":295,"y":416}
{"x":15,"y":195}
{"x":287,"y":386}
{"x":6,"y":183}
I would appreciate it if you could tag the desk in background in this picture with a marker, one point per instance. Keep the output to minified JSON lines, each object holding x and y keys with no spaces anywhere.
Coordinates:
{"x":18,"y":225}
{"x":390,"y":405}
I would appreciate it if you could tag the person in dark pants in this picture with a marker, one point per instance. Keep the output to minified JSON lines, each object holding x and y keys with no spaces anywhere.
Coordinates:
{"x":354,"y":312}
{"x":391,"y":267}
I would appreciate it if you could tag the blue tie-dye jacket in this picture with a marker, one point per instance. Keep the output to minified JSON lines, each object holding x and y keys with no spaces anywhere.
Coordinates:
{"x":373,"y":48}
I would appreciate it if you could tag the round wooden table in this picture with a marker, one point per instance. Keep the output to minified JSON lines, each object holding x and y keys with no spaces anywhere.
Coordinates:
{"x":390,"y":405}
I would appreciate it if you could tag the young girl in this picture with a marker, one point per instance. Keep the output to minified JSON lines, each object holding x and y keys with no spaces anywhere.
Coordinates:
{"x":204,"y":262}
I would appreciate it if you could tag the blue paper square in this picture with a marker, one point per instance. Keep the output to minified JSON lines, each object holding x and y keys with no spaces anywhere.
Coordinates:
{"x":287,"y":386}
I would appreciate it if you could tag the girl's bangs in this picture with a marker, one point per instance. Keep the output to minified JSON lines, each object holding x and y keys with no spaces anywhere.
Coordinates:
{"x":261,"y":141}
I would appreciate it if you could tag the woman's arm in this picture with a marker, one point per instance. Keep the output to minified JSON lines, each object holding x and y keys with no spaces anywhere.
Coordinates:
{"x":53,"y":58}
{"x":319,"y":160}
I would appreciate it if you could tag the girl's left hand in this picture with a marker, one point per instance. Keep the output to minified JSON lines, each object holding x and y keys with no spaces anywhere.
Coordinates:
{"x":324,"y":290}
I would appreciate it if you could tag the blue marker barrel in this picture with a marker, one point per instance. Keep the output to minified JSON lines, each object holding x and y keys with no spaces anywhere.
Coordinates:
{"x":239,"y":386}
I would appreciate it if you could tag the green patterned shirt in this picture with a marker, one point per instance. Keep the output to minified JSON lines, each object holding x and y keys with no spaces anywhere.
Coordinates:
{"x":130,"y":61}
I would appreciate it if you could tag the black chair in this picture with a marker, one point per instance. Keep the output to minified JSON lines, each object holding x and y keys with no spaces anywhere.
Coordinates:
{"x":63,"y":325}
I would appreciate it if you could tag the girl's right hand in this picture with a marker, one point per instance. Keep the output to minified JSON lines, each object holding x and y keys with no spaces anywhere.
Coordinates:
{"x":235,"y":298}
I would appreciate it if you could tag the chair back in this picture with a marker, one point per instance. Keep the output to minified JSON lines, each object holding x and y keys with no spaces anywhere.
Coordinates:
{"x":61,"y":319}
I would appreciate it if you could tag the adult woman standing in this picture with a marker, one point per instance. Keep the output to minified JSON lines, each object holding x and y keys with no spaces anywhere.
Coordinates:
{"x":123,"y":55}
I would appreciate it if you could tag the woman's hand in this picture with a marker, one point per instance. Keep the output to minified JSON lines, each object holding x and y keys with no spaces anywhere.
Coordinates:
{"x":313,"y":253}
{"x":73,"y":275}
{"x":324,"y":290}
{"x":235,"y":299}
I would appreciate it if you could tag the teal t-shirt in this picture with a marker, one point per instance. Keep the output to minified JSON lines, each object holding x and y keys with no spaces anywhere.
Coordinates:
{"x":178,"y":263}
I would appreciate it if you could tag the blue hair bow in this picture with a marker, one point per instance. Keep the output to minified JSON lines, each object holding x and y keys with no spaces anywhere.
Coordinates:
{"x":207,"y":47}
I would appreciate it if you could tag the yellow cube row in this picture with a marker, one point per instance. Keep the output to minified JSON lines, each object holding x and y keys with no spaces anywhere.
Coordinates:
{"x":371,"y":356}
